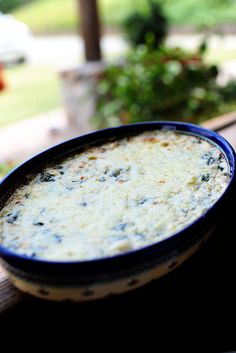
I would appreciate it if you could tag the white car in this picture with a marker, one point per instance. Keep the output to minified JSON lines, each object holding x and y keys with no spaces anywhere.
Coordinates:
{"x":15,"y":38}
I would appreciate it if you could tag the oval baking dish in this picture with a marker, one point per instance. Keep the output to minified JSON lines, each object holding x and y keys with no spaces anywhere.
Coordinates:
{"x":98,"y":278}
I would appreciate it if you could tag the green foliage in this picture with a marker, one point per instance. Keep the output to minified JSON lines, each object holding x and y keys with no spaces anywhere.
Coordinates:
{"x":229,"y":91}
{"x":9,"y":5}
{"x":159,"y":84}
{"x":142,"y":27}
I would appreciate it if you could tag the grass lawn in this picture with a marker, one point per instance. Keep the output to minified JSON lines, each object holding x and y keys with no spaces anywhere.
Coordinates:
{"x":30,"y":91}
{"x":62,"y":15}
{"x":5,"y":168}
{"x":53,"y":16}
{"x":49,"y":16}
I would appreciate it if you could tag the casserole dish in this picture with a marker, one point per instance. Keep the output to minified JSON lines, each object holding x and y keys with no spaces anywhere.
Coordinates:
{"x":99,"y":277}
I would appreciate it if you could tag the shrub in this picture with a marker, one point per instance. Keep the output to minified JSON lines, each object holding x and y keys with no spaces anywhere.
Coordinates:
{"x":228,"y":92}
{"x":142,"y":27}
{"x":155,"y":85}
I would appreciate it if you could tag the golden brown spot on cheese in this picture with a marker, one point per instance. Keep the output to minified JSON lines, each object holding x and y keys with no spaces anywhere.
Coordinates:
{"x":165,"y":144}
{"x":151,"y":139}
{"x":92,"y":157}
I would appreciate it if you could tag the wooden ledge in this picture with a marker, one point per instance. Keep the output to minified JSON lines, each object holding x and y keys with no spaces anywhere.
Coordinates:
{"x":221,"y":122}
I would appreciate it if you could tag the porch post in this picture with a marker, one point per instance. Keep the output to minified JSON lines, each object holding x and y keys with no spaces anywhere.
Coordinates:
{"x":90,"y":26}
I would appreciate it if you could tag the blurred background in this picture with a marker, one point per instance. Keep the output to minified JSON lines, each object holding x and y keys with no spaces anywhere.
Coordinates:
{"x":70,"y":66}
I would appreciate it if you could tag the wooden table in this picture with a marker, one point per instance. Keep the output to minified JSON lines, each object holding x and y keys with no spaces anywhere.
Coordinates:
{"x":191,"y":309}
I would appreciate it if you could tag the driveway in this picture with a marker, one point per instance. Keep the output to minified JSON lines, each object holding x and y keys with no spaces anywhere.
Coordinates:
{"x":66,"y":50}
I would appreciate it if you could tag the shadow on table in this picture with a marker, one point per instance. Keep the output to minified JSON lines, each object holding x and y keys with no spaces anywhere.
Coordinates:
{"x":191,"y":309}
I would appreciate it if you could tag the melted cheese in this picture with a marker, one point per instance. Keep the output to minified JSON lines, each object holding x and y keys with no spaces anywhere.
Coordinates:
{"x":115,"y":197}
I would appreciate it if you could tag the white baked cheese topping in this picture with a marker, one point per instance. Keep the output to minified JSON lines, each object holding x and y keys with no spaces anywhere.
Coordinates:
{"x":116,"y":197}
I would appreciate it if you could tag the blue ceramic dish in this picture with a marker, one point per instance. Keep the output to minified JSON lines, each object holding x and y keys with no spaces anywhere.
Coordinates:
{"x":85,"y":280}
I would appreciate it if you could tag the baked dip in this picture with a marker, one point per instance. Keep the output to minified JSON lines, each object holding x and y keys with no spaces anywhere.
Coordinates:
{"x":114,"y":197}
